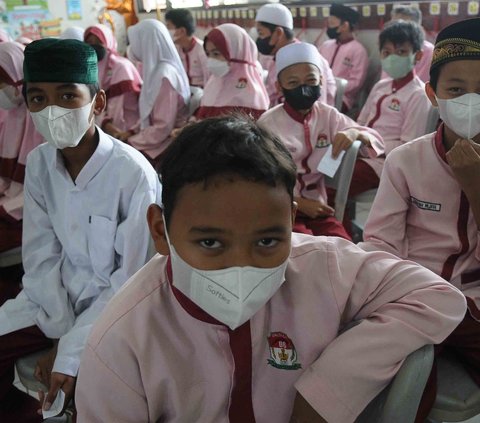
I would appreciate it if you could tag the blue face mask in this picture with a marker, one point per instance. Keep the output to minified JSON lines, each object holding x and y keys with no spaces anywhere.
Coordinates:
{"x":398,"y":66}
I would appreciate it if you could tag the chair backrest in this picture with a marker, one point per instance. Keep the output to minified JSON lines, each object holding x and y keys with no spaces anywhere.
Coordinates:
{"x":432,"y":120}
{"x":11,"y":257}
{"x":341,"y":181}
{"x":399,"y":401}
{"x":196,"y":96}
{"x":341,"y":86}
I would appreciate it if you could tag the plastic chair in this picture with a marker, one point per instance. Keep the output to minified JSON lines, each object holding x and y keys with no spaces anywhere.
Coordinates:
{"x":25,"y":367}
{"x":398,"y":402}
{"x":341,"y":181}
{"x":341,"y":86}
{"x":458,"y":396}
{"x":11,"y":257}
{"x":194,"y":103}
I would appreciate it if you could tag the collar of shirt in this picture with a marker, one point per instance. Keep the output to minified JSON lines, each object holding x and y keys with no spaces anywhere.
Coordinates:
{"x":191,"y":46}
{"x":397,"y":84}
{"x":295,"y":114}
{"x":101,"y":154}
{"x":345,"y":41}
{"x":188,"y":305}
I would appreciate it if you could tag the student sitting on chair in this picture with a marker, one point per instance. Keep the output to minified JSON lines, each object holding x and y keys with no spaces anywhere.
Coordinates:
{"x":427,"y":208}
{"x":397,"y":107}
{"x":181,"y":25}
{"x":308,"y":128}
{"x":86,"y":195}
{"x":238,"y":320}
{"x":274,"y":24}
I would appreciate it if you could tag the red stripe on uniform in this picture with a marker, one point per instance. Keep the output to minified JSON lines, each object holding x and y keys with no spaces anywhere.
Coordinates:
{"x":462,"y":224}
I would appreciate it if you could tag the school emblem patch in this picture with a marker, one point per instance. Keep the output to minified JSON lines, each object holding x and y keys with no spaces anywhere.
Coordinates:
{"x":395,"y":105}
{"x":322,"y":141}
{"x":348,"y":62}
{"x":282,"y":352}
{"x":242,"y":83}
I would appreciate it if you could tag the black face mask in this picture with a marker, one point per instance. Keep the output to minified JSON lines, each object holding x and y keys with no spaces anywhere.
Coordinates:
{"x":303,"y":97}
{"x":100,"y":50}
{"x":332,"y":33}
{"x":263,"y":45}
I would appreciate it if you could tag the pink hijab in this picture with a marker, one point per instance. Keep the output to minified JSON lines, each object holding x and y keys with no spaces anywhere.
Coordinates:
{"x":117,"y":74}
{"x":17,"y":132}
{"x":242,"y":87}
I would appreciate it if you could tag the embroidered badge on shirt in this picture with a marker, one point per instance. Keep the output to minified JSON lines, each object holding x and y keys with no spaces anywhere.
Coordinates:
{"x":242,"y":83}
{"x":282,"y":352}
{"x":424,"y":205}
{"x":395,"y":105}
{"x":322,"y":141}
{"x":348,"y":62}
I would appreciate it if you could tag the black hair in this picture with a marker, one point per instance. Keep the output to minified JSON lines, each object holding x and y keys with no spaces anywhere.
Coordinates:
{"x":399,"y":32}
{"x":434,"y":74}
{"x":289,"y":34}
{"x":181,"y":18}
{"x":230,"y":145}
{"x":92,"y":88}
{"x":414,"y":13}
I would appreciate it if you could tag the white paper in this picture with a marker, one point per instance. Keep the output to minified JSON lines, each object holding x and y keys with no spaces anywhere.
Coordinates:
{"x":56,"y":407}
{"x":328,"y":165}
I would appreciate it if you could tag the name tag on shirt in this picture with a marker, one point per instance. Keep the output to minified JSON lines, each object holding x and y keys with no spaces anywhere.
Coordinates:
{"x":328,"y":165}
{"x":424,"y":205}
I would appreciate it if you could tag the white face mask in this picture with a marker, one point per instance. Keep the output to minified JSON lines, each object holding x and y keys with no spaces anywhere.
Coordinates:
{"x":232,"y":295}
{"x":63,"y":127}
{"x":461,"y":114}
{"x":172,"y":34}
{"x":10,"y":97}
{"x":217,"y":67}
{"x":398,"y":66}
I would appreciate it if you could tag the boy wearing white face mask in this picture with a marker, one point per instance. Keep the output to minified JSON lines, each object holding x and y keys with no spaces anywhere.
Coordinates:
{"x":86,"y":195}
{"x":397,"y":107}
{"x":238,"y":320}
{"x":427,"y":208}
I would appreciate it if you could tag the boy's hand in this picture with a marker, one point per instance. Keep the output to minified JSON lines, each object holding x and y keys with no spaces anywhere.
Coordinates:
{"x":304,"y":413}
{"x":343,"y":140}
{"x":124,"y":136}
{"x":44,"y":366}
{"x":464,"y":160}
{"x":58,"y":381}
{"x":314,"y":209}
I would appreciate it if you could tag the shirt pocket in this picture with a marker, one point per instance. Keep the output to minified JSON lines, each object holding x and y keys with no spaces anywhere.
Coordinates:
{"x":101,"y":245}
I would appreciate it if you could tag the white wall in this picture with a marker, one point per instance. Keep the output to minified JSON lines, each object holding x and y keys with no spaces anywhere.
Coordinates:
{"x":58,"y":9}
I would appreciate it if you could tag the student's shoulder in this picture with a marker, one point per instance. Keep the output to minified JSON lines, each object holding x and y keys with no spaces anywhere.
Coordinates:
{"x":412,"y":151}
{"x":271,"y":114}
{"x":137,"y":301}
{"x":41,"y":158}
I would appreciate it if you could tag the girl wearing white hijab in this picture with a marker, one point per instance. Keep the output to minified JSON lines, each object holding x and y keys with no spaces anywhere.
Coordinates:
{"x":163,"y":102}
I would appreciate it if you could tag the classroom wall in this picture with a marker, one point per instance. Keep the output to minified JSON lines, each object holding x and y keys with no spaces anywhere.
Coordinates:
{"x":90,"y":8}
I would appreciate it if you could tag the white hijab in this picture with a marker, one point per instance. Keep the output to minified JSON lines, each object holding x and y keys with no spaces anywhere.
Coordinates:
{"x":151,"y":44}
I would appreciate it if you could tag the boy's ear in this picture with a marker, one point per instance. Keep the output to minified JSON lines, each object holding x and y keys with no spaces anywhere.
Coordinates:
{"x":100,"y":102}
{"x":418,"y":56}
{"x":278,"y":87}
{"x":157,"y":229}
{"x":431,"y":94}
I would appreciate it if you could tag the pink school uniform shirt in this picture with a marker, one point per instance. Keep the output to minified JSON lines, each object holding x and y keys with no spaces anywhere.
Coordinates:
{"x":420,"y":213}
{"x":398,"y":111}
{"x":348,"y":60}
{"x":194,"y":61}
{"x":308,"y":137}
{"x":155,"y":356}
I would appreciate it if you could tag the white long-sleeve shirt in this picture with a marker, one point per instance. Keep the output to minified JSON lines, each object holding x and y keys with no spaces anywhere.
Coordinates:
{"x":81,"y":241}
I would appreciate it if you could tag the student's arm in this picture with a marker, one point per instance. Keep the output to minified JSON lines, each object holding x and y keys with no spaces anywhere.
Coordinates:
{"x":95,"y":380}
{"x":358,"y":72}
{"x":415,"y":117}
{"x":399,"y":307}
{"x":42,"y":255}
{"x":365,"y":113}
{"x":386,"y":225}
{"x":329,"y":84}
{"x":162,"y":119}
{"x":464,"y":160}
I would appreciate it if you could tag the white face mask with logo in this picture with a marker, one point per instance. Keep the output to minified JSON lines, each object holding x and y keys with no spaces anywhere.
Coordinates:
{"x":63,"y":127}
{"x":461,"y":114}
{"x":232,"y":295}
{"x":217,"y":67}
{"x":398,"y":66}
{"x":10,"y":97}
